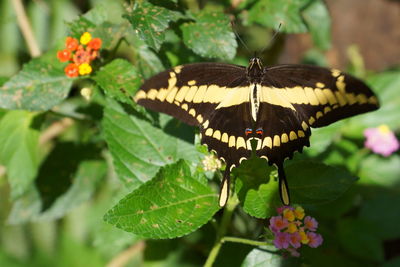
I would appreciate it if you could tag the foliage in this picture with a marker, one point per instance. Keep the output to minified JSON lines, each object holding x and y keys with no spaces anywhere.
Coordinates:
{"x":142,"y":171}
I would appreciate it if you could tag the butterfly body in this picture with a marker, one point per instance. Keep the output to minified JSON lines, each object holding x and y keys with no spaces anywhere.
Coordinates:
{"x":274,"y":106}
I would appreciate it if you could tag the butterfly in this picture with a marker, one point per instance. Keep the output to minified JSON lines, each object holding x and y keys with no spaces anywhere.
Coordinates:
{"x":271,"y":107}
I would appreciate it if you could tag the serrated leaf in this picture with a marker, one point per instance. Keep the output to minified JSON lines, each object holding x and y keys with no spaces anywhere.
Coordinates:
{"x":40,"y":85}
{"x":19,"y":151}
{"x":138,"y":148}
{"x":172,"y":204}
{"x":255,"y":190}
{"x":210,"y":35}
{"x":313,"y":183}
{"x":150,"y":22}
{"x":119,"y":79}
{"x":318,"y":21}
{"x":272,"y":12}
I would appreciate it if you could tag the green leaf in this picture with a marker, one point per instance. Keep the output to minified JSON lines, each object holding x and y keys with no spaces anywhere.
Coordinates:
{"x":19,"y":151}
{"x":255,"y":189}
{"x":381,"y":171}
{"x":359,"y":238}
{"x":40,"y":85}
{"x":138,"y":148}
{"x":119,"y":79}
{"x":85,"y":182}
{"x":383,"y":210}
{"x":150,"y":22}
{"x":312,"y":182}
{"x":210,"y":35}
{"x":272,"y":12}
{"x":172,"y":204}
{"x":318,"y":21}
{"x":267,"y":256}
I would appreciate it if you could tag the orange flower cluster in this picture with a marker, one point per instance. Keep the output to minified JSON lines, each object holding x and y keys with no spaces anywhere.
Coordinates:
{"x":80,"y":53}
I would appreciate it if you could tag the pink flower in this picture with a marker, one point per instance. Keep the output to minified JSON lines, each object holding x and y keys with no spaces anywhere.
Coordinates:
{"x":282,"y":240}
{"x":295,"y":240}
{"x":381,"y":140}
{"x":315,"y":239}
{"x":310,"y":223}
{"x":277,"y":223}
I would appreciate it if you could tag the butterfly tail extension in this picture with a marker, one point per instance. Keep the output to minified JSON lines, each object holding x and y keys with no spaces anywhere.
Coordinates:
{"x":283,"y":186}
{"x":224,"y":191}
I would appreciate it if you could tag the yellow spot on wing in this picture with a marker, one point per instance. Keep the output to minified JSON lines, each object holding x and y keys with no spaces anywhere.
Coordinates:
{"x":300,"y":133}
{"x":240,"y":142}
{"x":185,"y":107}
{"x":292,"y":136}
{"x":373,"y":100}
{"x":304,"y":125}
{"x":321,"y":97}
{"x":342,"y":101}
{"x":192,"y":91}
{"x":297,"y":95}
{"x":267,"y":142}
{"x":178,"y":69}
{"x":217,"y":135}
{"x":199,"y":118}
{"x":198,"y":98}
{"x":319,"y":114}
{"x":340,"y":84}
{"x":209,"y":132}
{"x":351,"y":98}
{"x":276,"y":96}
{"x":362,"y":99}
{"x":192,"y":112}
{"x":152,"y":93}
{"x":311,"y":96}
{"x":205,"y":125}
{"x":224,"y":138}
{"x":140,"y":95}
{"x":277,"y":141}
{"x":182,"y":93}
{"x":327,"y":109}
{"x":311,"y":120}
{"x":171,"y":95}
{"x":320,"y":85}
{"x":335,"y":72}
{"x":232,"y":142}
{"x":233,"y":97}
{"x":192,"y":82}
{"x":330,"y":96}
{"x":284,"y":138}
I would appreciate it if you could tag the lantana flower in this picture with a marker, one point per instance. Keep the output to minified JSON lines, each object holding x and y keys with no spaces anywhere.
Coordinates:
{"x":211,"y":163}
{"x":292,"y":229}
{"x":381,"y":140}
{"x":80,"y":54}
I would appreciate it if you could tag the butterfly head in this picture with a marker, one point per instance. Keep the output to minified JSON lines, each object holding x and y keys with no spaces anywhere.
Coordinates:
{"x":255,"y":70}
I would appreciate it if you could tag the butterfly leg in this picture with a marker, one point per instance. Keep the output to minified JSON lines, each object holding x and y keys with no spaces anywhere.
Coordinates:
{"x":283,"y":186}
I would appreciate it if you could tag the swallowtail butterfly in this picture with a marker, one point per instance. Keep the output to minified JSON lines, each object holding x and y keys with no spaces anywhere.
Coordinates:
{"x":274,"y":106}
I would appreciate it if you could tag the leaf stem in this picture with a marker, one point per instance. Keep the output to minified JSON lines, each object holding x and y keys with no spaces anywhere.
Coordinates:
{"x":244,"y":241}
{"x":223,"y":227}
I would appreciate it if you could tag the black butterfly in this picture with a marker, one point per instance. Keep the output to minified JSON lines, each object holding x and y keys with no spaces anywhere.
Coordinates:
{"x":275,"y":106}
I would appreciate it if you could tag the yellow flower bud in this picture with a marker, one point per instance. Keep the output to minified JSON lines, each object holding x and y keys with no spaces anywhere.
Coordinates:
{"x":85,"y":38}
{"x":84,"y":69}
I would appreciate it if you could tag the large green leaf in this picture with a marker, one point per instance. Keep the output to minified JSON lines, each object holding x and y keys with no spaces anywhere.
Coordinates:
{"x":313,"y":182}
{"x":138,"y":148}
{"x":267,"y":256}
{"x":272,"y":12}
{"x":172,"y":204}
{"x":40,"y":85}
{"x":119,"y":79}
{"x":255,"y":189}
{"x":150,"y":22}
{"x":19,"y":151}
{"x":210,"y":35}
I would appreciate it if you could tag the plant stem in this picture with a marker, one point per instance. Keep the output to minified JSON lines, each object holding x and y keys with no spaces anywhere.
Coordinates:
{"x":226,"y":218}
{"x":243,"y":241}
{"x":26,"y":28}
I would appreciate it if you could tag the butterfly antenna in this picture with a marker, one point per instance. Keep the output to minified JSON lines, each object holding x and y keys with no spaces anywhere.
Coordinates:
{"x":237,"y":35}
{"x":272,"y":38}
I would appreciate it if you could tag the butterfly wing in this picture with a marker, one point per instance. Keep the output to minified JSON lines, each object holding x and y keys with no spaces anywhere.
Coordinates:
{"x":297,"y":97}
{"x":206,"y":95}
